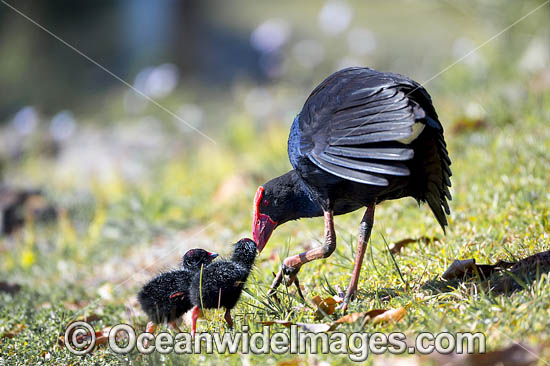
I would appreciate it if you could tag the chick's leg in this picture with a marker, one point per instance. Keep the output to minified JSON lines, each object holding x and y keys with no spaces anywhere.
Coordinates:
{"x":175,"y":326}
{"x":228,"y":318}
{"x":150,"y":328}
{"x":194,"y":317}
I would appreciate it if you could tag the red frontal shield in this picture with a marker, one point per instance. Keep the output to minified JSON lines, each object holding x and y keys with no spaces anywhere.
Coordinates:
{"x":263,"y":225}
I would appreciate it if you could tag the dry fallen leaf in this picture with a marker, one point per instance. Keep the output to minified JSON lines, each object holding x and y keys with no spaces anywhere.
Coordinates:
{"x":44,"y":305}
{"x":466,"y":125}
{"x":286,"y":323}
{"x":18,"y":205}
{"x":392,"y":315}
{"x":75,"y":306}
{"x":526,"y":270}
{"x":89,"y":318}
{"x":350,"y":318}
{"x":374,"y":316}
{"x":10,"y":288}
{"x":396,"y":247}
{"x":308,"y":327}
{"x":293,"y":362}
{"x":397,"y":361}
{"x":314,"y":327}
{"x":326,"y":306}
{"x":101,"y":338}
{"x":515,"y":355}
{"x":460,"y":268}
{"x":15,"y":330}
{"x":98,"y":334}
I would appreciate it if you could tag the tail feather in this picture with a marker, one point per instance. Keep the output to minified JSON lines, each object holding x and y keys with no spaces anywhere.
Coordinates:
{"x":437,"y":210}
{"x":433,"y":186}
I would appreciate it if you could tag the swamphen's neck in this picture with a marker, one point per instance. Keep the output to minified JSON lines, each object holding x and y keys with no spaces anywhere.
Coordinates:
{"x":289,"y":199}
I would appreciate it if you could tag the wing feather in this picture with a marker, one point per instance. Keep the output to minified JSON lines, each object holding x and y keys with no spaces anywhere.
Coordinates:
{"x":366,"y":165}
{"x":391,"y":135}
{"x":381,"y":95}
{"x":370,"y":128}
{"x":356,"y":125}
{"x":387,"y":107}
{"x":350,"y":174}
{"x":397,"y":154}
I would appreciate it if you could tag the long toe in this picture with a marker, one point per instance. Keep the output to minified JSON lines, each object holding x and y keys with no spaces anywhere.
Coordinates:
{"x":275,"y":284}
{"x":290,"y":280}
{"x":290,"y":272}
{"x":298,"y":288}
{"x":351,"y":294}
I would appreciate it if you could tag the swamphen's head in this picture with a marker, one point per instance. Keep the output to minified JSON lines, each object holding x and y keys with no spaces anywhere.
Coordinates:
{"x":280,"y":200}
{"x":193,"y":259}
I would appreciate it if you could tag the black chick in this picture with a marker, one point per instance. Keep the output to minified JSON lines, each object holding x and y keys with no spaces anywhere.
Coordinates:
{"x":165,"y":298}
{"x":221,"y":283}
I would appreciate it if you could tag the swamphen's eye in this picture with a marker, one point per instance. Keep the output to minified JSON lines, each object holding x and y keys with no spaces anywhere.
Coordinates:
{"x":265,"y":202}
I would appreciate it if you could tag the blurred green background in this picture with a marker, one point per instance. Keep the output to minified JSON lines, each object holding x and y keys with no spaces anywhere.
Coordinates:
{"x":237,"y":71}
{"x":134,"y":187}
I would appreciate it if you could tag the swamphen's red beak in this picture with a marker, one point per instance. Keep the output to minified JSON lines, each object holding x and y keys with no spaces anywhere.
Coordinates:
{"x":263,"y":225}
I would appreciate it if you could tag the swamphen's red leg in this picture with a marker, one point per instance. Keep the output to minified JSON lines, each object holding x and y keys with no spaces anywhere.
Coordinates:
{"x":291,"y":265}
{"x":365,"y":229}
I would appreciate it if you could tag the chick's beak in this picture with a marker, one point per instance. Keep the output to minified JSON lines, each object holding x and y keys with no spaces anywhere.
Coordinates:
{"x":262,"y":227}
{"x":212,"y":255}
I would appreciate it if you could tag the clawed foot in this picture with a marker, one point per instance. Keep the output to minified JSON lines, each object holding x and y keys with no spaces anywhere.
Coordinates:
{"x":290,"y":275}
{"x":351,"y":294}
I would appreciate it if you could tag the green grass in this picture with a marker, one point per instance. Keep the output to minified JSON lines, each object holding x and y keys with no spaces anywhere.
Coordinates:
{"x":499,"y":211}
{"x":114,"y":234}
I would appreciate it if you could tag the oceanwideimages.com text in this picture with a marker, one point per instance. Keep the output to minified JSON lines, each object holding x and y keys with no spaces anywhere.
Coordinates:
{"x":80,"y":339}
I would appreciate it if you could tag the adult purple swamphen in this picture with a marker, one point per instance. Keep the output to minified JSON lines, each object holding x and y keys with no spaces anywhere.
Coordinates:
{"x":362,"y":137}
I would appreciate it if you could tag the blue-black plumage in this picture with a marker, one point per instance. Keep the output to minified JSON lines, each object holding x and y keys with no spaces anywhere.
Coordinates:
{"x":362,"y":137}
{"x":166,"y":297}
{"x":220,"y":284}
